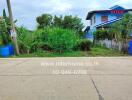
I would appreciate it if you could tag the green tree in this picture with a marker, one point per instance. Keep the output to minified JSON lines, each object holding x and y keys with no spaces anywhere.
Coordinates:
{"x":71,"y":22}
{"x":57,"y":21}
{"x":121,"y":30}
{"x":44,"y":20}
{"x":66,"y":22}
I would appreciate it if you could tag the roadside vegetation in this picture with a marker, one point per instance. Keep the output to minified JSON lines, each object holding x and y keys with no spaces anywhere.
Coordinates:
{"x":54,"y":35}
{"x":118,"y":32}
{"x":57,"y":37}
{"x":94,"y":52}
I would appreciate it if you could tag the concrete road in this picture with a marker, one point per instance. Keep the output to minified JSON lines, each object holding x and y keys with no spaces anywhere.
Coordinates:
{"x":66,"y":79}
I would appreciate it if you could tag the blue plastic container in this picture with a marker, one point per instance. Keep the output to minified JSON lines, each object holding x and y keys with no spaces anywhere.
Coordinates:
{"x":130,"y":47}
{"x":4,"y":51}
{"x":11,"y":49}
{"x":0,"y":51}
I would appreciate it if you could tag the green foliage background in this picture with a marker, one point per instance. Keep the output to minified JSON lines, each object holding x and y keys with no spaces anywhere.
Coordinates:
{"x":66,"y":22}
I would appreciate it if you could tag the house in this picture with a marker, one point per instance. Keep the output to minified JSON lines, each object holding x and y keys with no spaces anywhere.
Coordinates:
{"x":102,"y":18}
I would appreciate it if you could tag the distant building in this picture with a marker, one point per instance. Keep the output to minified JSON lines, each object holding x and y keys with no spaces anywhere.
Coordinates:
{"x":102,"y":18}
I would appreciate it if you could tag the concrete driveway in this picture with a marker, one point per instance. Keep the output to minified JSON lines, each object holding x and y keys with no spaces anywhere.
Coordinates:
{"x":66,"y":78}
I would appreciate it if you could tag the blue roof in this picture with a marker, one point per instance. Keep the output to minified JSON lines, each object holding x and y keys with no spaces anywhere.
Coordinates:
{"x":90,"y":14}
{"x":117,"y":7}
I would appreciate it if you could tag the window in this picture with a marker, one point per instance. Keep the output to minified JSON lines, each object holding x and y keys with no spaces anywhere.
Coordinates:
{"x":104,"y":18}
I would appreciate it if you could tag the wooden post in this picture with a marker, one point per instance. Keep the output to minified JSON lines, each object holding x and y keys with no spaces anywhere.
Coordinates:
{"x":13,"y":30}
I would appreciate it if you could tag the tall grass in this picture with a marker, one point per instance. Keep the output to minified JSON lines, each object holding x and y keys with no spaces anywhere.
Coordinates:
{"x":51,"y":39}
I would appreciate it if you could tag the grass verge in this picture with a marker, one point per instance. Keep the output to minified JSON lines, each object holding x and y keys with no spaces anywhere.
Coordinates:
{"x":95,"y":52}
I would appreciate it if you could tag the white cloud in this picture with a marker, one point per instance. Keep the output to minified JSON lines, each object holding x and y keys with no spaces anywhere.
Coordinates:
{"x":125,"y":3}
{"x":57,"y":5}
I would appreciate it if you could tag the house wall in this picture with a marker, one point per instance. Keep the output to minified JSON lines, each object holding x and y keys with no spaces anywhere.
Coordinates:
{"x":98,"y":21}
{"x":99,"y":16}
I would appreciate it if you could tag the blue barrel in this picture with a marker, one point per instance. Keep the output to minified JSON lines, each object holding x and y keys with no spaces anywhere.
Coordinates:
{"x":4,"y":51}
{"x":11,"y":49}
{"x":130,"y":47}
{"x":0,"y":51}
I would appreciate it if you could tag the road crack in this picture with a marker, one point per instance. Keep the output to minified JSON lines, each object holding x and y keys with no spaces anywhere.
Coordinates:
{"x":97,"y":90}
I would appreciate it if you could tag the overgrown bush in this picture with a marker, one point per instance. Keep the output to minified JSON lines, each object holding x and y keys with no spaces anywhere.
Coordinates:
{"x":40,"y":38}
{"x":101,"y":34}
{"x":5,"y":37}
{"x":47,"y":39}
{"x":0,"y":40}
{"x":62,"y":39}
{"x":83,"y":45}
{"x":25,"y":40}
{"x":46,"y":46}
{"x":56,"y":39}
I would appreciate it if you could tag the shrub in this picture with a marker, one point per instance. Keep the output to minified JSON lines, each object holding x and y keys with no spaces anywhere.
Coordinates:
{"x":25,"y":40}
{"x":83,"y":45}
{"x":57,"y":39}
{"x":101,"y":34}
{"x":48,"y":39}
{"x":0,"y":40}
{"x":62,"y":39}
{"x":40,"y":39}
{"x":46,"y":46}
{"x":5,"y":37}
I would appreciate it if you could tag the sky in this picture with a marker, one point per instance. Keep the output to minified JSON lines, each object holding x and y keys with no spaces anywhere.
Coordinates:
{"x":26,"y":11}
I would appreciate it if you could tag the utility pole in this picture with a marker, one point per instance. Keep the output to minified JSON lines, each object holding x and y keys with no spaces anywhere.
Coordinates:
{"x":13,"y":30}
